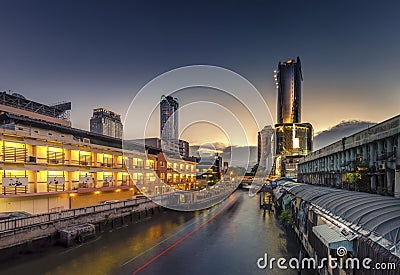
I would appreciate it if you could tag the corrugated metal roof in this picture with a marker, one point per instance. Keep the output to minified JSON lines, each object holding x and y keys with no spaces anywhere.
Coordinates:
{"x":278,"y":194}
{"x":332,"y":238}
{"x":373,"y":213}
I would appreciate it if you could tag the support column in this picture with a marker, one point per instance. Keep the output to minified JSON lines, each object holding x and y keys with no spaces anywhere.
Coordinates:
{"x":390,"y":167}
{"x":364,"y":153}
{"x":95,"y":180}
{"x":35,"y":184}
{"x":115,"y":176}
{"x":397,"y":184}
{"x":335,"y":162}
{"x":398,"y":151}
{"x":390,"y":180}
{"x":327,"y":164}
{"x":380,"y":150}
{"x":389,"y":146}
{"x":372,"y":153}
{"x":373,"y":183}
{"x":352,"y":158}
{"x":69,"y":181}
{"x":34,"y":173}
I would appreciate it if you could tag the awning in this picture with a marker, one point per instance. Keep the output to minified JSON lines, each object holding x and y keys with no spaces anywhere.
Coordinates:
{"x":287,"y":199}
{"x":332,"y":238}
{"x":278,"y":194}
{"x":369,"y":213}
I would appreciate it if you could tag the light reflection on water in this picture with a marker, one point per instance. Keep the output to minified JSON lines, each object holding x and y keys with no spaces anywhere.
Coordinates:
{"x":241,"y":233}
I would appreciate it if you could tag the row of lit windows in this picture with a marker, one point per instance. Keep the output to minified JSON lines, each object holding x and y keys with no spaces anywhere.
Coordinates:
{"x":21,"y":152}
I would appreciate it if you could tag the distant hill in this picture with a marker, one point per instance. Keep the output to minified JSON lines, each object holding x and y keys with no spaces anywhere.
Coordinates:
{"x":339,"y":131}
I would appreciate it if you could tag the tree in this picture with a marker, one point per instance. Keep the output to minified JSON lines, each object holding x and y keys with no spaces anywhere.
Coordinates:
{"x":286,"y":218}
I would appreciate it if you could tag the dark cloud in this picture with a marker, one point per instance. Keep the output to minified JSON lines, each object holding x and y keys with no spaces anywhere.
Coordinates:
{"x":339,"y":131}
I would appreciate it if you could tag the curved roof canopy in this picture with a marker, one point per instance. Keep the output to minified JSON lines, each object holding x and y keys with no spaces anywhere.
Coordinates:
{"x":374,"y":213}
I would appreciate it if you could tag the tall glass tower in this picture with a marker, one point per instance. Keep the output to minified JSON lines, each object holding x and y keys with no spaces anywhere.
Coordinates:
{"x":169,"y":119}
{"x":288,"y":78}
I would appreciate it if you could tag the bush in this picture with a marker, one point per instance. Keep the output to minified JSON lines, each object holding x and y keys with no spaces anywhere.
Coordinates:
{"x":286,"y":218}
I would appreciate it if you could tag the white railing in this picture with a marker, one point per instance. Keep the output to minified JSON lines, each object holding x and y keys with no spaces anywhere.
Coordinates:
{"x":39,"y":219}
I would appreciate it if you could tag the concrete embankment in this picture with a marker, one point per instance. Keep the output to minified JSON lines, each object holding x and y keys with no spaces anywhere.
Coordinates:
{"x":43,"y":230}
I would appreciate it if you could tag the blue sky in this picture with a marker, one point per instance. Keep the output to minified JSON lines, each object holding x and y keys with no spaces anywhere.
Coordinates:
{"x":100,"y":53}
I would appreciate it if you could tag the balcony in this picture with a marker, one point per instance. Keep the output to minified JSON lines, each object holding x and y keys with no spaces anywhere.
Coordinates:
{"x":13,"y":154}
{"x":55,"y":158}
{"x":85,"y":163}
{"x":124,"y":182}
{"x":119,"y":165}
{"x":105,"y":164}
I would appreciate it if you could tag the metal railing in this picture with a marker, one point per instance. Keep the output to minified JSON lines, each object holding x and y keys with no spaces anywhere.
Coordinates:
{"x":40,"y":219}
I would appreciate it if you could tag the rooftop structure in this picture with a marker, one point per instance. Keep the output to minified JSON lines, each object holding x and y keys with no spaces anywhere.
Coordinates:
{"x":18,"y":104}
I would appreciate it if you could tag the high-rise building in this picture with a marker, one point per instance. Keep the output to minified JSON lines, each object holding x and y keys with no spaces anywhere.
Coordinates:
{"x":156,"y":143}
{"x":265,"y":147}
{"x":288,"y":78}
{"x":293,"y":139}
{"x":169,"y":122}
{"x":184,"y":148}
{"x":106,"y":122}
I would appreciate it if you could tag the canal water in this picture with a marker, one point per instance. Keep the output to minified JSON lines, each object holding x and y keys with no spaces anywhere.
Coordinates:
{"x":226,"y":239}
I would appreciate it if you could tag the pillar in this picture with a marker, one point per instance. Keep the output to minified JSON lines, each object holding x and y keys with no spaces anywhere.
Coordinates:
{"x":372,"y":153}
{"x":352,"y":158}
{"x":347,"y":155}
{"x":398,"y":151}
{"x":95,"y":180}
{"x":390,"y":180}
{"x":115,"y":176}
{"x":397,"y":184}
{"x":380,"y":150}
{"x":35,"y":187}
{"x":364,"y":153}
{"x":69,"y":181}
{"x":373,"y":183}
{"x":335,"y":162}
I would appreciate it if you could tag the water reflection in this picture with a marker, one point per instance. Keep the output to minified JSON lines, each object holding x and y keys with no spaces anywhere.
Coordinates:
{"x":228,"y":243}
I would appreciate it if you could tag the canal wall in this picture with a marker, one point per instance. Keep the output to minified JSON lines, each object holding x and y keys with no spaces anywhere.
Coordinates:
{"x":43,"y":229}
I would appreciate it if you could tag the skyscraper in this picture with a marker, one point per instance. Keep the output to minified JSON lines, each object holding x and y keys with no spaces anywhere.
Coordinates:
{"x":288,"y":78}
{"x":293,"y":139}
{"x":106,"y":122}
{"x":265,"y":147}
{"x":169,"y":121}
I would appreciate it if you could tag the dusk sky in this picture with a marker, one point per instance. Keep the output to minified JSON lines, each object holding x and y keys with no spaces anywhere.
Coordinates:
{"x":100,"y":53}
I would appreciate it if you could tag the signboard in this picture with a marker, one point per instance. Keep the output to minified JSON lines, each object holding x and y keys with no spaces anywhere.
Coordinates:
{"x":108,"y":179}
{"x":85,"y":180}
{"x":55,"y":180}
{"x":23,"y":181}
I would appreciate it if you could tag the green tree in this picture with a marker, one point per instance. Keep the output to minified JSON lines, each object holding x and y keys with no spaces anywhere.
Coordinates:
{"x":286,"y":218}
